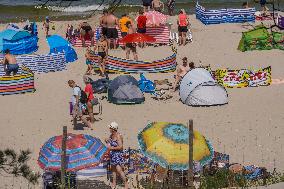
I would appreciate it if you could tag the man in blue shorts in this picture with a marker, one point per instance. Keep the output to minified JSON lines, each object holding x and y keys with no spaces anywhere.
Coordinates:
{"x":10,"y":63}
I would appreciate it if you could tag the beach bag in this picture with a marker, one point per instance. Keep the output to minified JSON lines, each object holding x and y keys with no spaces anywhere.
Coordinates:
{"x":83,"y":97}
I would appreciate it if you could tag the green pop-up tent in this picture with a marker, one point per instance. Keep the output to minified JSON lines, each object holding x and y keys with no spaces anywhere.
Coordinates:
{"x":260,"y":39}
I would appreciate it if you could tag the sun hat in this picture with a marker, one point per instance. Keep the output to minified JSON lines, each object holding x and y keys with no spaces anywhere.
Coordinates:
{"x":113,"y":126}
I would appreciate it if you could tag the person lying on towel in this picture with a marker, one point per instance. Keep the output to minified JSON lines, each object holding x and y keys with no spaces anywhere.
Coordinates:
{"x":182,"y":70}
{"x":10,"y":63}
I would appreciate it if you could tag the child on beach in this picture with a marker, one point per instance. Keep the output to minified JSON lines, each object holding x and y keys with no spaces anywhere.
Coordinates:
{"x":46,"y":26}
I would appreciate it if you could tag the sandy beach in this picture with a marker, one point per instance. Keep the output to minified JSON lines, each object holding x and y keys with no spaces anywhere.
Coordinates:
{"x":248,"y":128}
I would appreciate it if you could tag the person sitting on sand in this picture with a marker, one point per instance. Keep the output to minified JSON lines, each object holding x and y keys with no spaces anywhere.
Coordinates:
{"x":182,"y":70}
{"x":112,"y":33}
{"x":86,"y":29}
{"x":10,"y":63}
{"x":122,"y":24}
{"x":102,"y":51}
{"x":103,"y":22}
{"x":183,"y":23}
{"x":115,"y":144}
{"x":79,"y":108}
{"x":158,"y":5}
{"x":131,"y":47}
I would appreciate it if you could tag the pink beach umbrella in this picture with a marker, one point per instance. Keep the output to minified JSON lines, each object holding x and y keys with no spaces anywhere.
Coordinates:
{"x":155,"y":18}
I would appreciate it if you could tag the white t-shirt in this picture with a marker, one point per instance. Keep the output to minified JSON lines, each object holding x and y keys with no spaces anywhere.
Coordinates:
{"x":76,"y":92}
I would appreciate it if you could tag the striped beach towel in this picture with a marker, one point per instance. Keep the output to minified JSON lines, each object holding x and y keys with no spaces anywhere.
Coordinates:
{"x":92,"y":173}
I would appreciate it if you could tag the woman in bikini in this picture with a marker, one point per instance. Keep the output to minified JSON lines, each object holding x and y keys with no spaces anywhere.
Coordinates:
{"x":102,"y":51}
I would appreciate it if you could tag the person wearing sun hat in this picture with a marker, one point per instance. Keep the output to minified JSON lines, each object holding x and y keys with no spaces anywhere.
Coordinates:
{"x":115,"y":145}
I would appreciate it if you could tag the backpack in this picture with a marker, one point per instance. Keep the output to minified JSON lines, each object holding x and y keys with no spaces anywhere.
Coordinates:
{"x":83,"y":97}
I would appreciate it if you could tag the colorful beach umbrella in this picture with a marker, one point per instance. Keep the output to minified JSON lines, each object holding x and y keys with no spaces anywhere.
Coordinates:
{"x":167,"y":144}
{"x":137,"y":38}
{"x":155,"y":18}
{"x":82,"y":151}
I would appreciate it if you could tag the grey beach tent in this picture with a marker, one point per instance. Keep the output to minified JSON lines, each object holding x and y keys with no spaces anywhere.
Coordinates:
{"x":124,"y":89}
{"x":198,"y":88}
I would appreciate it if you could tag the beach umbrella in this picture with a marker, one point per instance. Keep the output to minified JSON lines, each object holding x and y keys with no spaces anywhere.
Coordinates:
{"x":155,"y":18}
{"x":137,"y":38}
{"x":82,"y":151}
{"x":167,"y":144}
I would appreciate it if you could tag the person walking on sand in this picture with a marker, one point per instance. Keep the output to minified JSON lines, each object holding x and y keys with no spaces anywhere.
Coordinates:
{"x":111,"y":34}
{"x":91,"y":99}
{"x":141,"y":24}
{"x":158,"y":5}
{"x":183,"y":23}
{"x":115,"y":144}
{"x":131,"y":47}
{"x":102,"y":50}
{"x":46,"y":26}
{"x":171,"y":6}
{"x":78,"y":105}
{"x":10,"y":63}
{"x":181,"y":71}
{"x":103,"y":22}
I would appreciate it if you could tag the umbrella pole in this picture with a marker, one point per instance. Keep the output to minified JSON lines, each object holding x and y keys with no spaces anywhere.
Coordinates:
{"x":63,"y":157}
{"x":190,"y":159}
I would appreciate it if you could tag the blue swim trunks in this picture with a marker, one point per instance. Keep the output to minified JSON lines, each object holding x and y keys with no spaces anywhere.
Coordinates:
{"x":12,"y":68}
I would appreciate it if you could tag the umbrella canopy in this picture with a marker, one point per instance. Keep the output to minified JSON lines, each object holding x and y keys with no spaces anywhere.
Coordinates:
{"x":82,"y":151}
{"x":167,"y":144}
{"x":137,"y":38}
{"x":155,"y":18}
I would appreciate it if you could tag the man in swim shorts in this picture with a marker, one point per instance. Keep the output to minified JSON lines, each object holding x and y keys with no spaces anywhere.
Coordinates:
{"x":10,"y":63}
{"x":112,"y":34}
{"x":103,"y":22}
{"x":102,"y":51}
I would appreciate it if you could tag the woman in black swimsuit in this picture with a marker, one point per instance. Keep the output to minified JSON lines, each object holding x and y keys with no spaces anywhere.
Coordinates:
{"x":102,"y":51}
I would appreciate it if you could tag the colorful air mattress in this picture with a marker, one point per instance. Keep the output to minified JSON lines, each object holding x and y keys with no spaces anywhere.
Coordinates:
{"x":120,"y":65}
{"x":21,"y":83}
{"x":224,"y":15}
{"x":41,"y":63}
{"x":243,"y":78}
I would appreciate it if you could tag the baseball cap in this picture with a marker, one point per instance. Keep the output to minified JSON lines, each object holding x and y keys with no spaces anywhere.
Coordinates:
{"x":113,"y":126}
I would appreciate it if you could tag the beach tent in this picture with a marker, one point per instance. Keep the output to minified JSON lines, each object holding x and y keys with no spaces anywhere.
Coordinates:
{"x":198,"y":88}
{"x":18,"y":41}
{"x":57,"y":44}
{"x":124,"y":89}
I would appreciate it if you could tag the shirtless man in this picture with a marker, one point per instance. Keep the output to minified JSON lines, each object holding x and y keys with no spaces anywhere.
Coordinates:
{"x":131,"y":47}
{"x":158,"y":5}
{"x":112,"y":34}
{"x":103,"y":22}
{"x":102,"y":51}
{"x":10,"y":63}
{"x":182,"y":70}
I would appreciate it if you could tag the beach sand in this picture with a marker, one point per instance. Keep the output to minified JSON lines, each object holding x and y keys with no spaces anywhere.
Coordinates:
{"x":248,"y":128}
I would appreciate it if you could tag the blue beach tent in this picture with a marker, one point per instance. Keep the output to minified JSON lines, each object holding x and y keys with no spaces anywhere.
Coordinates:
{"x":58,"y":44}
{"x":18,"y":41}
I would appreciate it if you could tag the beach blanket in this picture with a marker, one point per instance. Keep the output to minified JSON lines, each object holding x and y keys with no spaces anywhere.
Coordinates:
{"x":120,"y":65}
{"x":40,"y":63}
{"x":224,"y":15}
{"x":243,"y":78}
{"x":20,"y":83}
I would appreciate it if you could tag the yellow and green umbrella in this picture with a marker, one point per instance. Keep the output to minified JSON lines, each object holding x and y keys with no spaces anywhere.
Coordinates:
{"x":167,"y":144}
